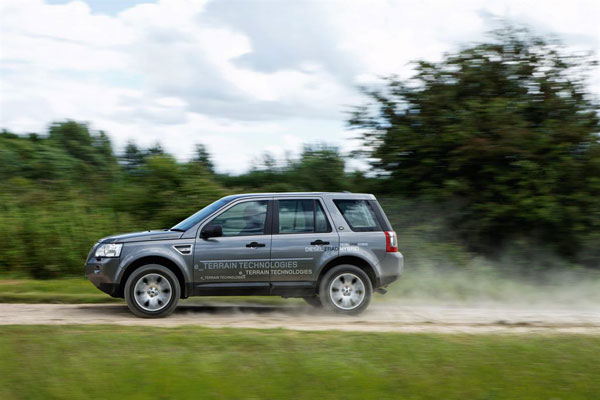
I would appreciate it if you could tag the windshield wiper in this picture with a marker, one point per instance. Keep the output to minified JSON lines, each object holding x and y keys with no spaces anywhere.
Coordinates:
{"x":176,"y":229}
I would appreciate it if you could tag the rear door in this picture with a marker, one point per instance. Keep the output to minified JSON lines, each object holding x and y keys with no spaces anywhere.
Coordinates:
{"x":303,"y":241}
{"x":240,"y":258}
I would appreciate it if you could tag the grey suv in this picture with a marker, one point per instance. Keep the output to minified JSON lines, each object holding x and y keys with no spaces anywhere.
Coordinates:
{"x":331,"y":249}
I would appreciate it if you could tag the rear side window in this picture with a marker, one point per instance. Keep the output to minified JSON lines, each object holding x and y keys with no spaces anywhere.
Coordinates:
{"x":359,"y":215}
{"x":302,"y":216}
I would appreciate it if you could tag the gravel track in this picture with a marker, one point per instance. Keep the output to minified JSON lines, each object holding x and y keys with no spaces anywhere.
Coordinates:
{"x":378,"y":318}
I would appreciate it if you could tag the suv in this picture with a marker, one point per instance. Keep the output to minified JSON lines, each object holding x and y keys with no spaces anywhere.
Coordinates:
{"x":331,"y":249}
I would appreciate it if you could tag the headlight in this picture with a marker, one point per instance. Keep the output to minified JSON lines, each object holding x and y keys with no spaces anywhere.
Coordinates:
{"x":109,"y":250}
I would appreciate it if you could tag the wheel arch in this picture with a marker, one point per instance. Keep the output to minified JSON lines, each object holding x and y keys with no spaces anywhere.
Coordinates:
{"x":352,"y":260}
{"x":160,"y":260}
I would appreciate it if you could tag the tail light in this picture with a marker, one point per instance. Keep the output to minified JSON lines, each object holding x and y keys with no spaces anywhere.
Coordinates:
{"x":391,"y":242}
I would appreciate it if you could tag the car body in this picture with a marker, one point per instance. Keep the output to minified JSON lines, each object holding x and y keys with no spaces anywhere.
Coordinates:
{"x":268,"y":244}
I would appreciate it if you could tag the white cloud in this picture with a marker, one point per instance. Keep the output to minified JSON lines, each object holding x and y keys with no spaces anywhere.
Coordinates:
{"x":240,"y":77}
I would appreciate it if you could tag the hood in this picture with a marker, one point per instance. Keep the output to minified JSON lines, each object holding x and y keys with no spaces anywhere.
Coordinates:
{"x":142,"y":236}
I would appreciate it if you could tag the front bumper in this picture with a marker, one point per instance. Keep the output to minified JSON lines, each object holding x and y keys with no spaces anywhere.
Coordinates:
{"x":102,"y":273}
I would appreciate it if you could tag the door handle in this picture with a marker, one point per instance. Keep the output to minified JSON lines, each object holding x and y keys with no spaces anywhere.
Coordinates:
{"x":255,"y":245}
{"x":318,"y":242}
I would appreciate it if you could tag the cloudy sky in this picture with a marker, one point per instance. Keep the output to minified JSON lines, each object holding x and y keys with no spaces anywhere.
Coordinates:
{"x":242,"y":77}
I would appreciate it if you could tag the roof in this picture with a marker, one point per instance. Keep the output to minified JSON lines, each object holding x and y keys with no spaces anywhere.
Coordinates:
{"x":334,"y":195}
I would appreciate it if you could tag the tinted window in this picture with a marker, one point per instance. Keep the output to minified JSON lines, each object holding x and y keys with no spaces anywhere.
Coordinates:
{"x":247,"y":218}
{"x":321,"y":222}
{"x":358,"y":214}
{"x":298,"y":216}
{"x":200,"y":215}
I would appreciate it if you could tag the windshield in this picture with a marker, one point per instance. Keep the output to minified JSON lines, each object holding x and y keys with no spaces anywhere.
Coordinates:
{"x":200,"y":215}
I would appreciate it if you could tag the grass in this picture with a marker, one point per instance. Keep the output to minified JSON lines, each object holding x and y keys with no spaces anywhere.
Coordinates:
{"x":82,"y":362}
{"x":66,"y":290}
{"x":80,"y":291}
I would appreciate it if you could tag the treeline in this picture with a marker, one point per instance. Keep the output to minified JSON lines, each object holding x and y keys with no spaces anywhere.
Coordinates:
{"x":507,"y":133}
{"x":61,"y":191}
{"x":492,"y":151}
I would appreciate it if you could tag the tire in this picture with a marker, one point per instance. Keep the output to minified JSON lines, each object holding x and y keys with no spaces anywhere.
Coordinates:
{"x":152,"y":291}
{"x":345,"y":289}
{"x":314,"y":301}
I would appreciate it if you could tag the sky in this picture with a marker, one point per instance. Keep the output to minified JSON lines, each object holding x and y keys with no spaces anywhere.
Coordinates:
{"x":240,"y":77}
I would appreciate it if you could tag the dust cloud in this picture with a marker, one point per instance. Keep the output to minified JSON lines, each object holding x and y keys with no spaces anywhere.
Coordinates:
{"x":480,"y":285}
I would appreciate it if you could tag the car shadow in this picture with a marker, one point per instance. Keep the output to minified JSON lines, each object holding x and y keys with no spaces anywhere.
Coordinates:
{"x":210,"y":309}
{"x":238,"y":308}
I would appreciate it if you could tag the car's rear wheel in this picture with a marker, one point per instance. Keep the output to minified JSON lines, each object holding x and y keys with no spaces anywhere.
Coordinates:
{"x":345,"y":289}
{"x":314,"y":301}
{"x":152,"y":291}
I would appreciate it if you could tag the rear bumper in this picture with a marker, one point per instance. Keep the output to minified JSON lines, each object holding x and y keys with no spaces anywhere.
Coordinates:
{"x":390,"y":268}
{"x":101,"y":272}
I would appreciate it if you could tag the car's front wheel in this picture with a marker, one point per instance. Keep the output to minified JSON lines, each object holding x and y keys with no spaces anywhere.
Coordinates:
{"x":152,"y":291}
{"x":345,"y":289}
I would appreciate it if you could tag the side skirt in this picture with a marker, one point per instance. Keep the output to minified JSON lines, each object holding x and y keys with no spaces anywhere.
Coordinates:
{"x":285,"y":289}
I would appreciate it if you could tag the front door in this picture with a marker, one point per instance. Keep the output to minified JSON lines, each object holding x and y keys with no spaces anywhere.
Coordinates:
{"x":238,"y":261}
{"x":303,"y":241}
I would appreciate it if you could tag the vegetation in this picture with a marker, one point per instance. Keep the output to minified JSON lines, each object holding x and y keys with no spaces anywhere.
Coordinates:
{"x":492,"y":151}
{"x":64,"y":291}
{"x":80,"y":291}
{"x":505,"y":134}
{"x":140,"y":362}
{"x":60,"y":191}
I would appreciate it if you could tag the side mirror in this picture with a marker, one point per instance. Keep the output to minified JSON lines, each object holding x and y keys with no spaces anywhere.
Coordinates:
{"x":211,"y":231}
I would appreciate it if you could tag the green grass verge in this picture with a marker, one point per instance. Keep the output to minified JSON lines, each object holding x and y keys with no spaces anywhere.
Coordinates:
{"x":67,"y":290}
{"x":80,"y":291}
{"x":82,"y":362}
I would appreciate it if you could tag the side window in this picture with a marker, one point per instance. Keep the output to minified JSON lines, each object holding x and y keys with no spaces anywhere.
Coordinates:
{"x":321,"y":222}
{"x":244,"y":219}
{"x":359,"y":215}
{"x":300,"y":216}
{"x":296,"y":216}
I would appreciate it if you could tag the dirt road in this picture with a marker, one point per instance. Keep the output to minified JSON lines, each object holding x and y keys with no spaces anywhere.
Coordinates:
{"x":379,"y":317}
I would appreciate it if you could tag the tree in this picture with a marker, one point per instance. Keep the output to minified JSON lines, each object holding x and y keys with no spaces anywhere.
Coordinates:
{"x":133,"y":158}
{"x":203,"y":158}
{"x":157,"y":149}
{"x":92,"y":148}
{"x":77,"y":140}
{"x":36,"y":158}
{"x":320,"y":168}
{"x":505,"y":128}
